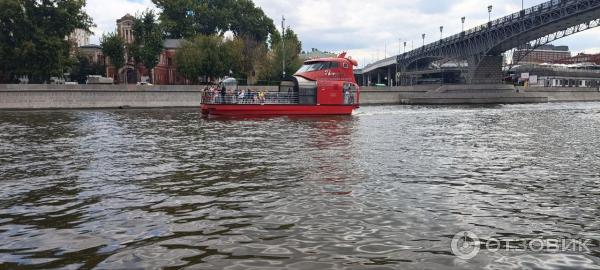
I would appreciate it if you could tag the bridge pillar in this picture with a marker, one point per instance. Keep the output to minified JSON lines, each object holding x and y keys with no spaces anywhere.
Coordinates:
{"x":403,"y":76}
{"x":378,"y":77}
{"x":389,"y":77}
{"x":488,"y":70}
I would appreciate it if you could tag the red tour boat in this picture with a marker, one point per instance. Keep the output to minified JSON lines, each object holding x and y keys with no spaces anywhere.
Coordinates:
{"x":324,"y":86}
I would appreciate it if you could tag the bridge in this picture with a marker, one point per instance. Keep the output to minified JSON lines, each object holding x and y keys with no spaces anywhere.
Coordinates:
{"x":481,"y":48}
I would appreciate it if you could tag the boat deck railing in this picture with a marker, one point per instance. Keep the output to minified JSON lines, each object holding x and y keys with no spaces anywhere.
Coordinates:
{"x":250,"y":98}
{"x":261,"y":98}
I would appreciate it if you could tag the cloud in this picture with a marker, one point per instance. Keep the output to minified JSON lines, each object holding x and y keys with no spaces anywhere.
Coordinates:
{"x":106,"y":12}
{"x":363,"y":28}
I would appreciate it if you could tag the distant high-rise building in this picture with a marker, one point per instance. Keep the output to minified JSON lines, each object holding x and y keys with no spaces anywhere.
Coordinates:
{"x":80,"y":37}
{"x":582,"y":58}
{"x":543,"y":54}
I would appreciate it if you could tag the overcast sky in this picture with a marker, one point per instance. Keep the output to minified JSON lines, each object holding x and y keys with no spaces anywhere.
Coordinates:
{"x":363,"y":28}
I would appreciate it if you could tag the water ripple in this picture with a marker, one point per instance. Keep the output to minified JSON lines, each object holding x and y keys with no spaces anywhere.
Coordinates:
{"x":385,"y":189}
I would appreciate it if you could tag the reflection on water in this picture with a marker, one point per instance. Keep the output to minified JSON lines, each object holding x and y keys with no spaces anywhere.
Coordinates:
{"x":385,"y":189}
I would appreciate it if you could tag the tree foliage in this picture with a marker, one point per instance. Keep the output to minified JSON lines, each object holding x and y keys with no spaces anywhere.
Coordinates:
{"x":273,"y":70}
{"x":113,"y":47}
{"x":250,"y":21}
{"x":32,"y":36}
{"x":213,"y":57}
{"x":253,"y":55}
{"x":209,"y":57}
{"x":149,"y":40}
{"x":188,"y":18}
{"x":204,"y":23}
{"x":84,"y":67}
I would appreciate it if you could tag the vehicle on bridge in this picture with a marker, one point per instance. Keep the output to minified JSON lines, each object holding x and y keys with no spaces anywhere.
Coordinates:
{"x":324,"y":86}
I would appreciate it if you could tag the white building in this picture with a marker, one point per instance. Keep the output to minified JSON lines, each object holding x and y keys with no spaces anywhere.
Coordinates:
{"x":80,"y":37}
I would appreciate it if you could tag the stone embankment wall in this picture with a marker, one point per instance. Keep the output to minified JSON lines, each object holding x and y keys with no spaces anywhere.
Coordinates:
{"x":33,"y":97}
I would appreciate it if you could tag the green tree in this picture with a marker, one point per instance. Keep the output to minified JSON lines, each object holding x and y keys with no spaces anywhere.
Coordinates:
{"x":253,"y":55}
{"x":272,"y":70}
{"x":83,"y":67}
{"x":113,"y":47}
{"x":149,"y":40}
{"x":32,"y":37}
{"x":209,"y":57}
{"x":188,"y":18}
{"x":249,"y":21}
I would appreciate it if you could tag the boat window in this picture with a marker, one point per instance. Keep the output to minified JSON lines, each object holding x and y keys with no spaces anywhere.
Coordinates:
{"x":335,"y":65}
{"x":315,"y":66}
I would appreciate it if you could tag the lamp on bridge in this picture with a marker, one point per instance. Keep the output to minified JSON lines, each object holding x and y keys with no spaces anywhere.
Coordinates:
{"x":463,"y":23}
{"x":441,"y":32}
{"x":423,"y":36}
{"x":490,"y":13}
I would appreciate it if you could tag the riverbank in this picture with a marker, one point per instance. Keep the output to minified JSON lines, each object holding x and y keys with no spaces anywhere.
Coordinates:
{"x":475,"y":94}
{"x":35,"y":97}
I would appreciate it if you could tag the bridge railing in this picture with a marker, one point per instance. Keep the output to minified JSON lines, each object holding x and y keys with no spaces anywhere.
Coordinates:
{"x":509,"y":19}
{"x":546,"y":6}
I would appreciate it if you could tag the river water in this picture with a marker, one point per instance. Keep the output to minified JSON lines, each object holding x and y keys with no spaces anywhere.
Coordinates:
{"x":387,"y":188}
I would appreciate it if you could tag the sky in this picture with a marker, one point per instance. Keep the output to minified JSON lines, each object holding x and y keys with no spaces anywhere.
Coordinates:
{"x":367,"y":30}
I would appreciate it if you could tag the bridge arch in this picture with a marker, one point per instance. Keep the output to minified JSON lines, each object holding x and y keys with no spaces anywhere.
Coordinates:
{"x":482,"y":47}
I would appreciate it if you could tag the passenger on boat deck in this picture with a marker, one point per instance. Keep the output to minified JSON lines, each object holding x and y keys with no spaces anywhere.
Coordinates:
{"x":346,"y":96}
{"x":261,"y":96}
{"x":214,"y":93}
{"x":223,"y":94}
{"x":242,"y":96}
{"x":255,"y":97}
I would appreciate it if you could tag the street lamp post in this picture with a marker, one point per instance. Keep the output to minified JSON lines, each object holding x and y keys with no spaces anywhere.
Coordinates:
{"x":283,"y":44}
{"x":126,"y":61}
{"x":463,"y":23}
{"x":441,"y":32}
{"x":423,"y":48}
{"x":385,"y":50}
{"x":490,"y":13}
{"x":396,"y":74}
{"x":402,"y":70}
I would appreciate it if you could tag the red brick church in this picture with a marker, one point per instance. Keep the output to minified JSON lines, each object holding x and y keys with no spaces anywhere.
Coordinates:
{"x":165,"y":73}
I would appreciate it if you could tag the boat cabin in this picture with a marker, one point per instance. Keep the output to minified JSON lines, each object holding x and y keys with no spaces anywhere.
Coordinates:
{"x":324,"y":81}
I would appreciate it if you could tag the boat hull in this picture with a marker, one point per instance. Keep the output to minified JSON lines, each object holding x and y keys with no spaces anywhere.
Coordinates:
{"x":271,"y":109}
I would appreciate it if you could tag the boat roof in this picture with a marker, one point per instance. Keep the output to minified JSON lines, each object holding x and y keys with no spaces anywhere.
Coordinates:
{"x":332,"y":59}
